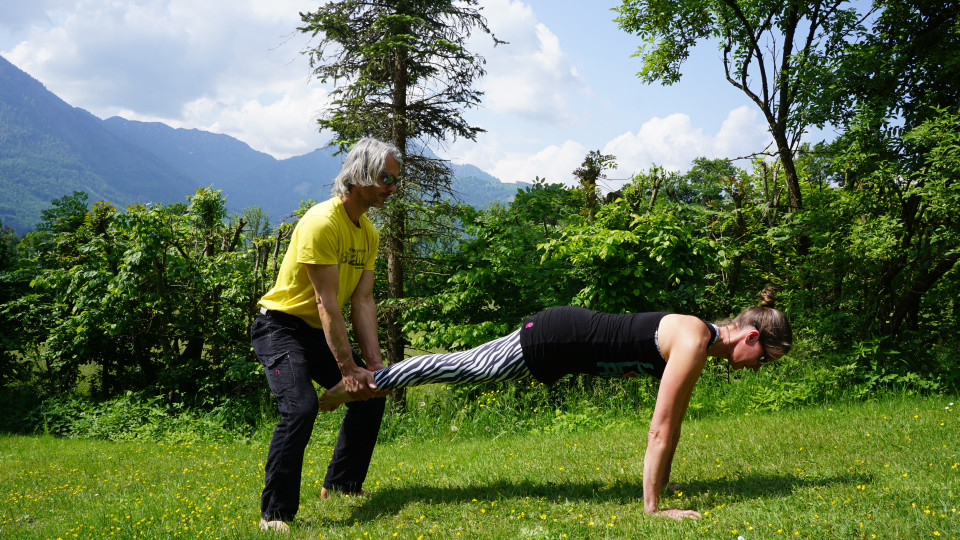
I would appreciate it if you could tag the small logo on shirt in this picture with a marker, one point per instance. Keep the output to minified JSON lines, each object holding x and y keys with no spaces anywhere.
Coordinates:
{"x":622,"y":369}
{"x":353,"y":257}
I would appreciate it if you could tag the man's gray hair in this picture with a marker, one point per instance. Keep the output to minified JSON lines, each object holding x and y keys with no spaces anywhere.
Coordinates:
{"x":363,"y":165}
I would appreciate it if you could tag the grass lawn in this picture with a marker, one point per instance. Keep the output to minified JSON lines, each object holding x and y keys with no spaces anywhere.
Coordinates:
{"x":887,"y":469}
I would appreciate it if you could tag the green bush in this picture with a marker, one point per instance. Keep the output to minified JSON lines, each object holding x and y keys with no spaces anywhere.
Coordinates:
{"x":135,"y":416}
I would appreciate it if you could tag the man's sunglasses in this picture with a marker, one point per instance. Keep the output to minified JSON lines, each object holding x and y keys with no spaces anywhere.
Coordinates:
{"x":388,"y":179}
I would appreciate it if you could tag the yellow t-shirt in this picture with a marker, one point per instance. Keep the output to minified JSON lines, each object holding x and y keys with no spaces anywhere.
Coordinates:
{"x":324,"y":235}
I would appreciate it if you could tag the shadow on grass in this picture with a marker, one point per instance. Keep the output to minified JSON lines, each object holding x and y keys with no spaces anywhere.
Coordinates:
{"x":730,"y":491}
{"x":755,"y":486}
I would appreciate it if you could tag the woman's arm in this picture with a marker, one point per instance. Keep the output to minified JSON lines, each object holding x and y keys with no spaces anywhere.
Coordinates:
{"x":665,"y":482}
{"x":683,"y":341}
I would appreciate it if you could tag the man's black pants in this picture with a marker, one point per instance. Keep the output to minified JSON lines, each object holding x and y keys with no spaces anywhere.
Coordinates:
{"x":294,"y":354}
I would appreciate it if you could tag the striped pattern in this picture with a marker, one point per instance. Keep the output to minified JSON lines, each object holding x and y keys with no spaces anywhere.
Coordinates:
{"x":494,"y":361}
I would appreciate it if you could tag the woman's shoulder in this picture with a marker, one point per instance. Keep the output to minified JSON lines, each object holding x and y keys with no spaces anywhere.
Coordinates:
{"x":680,"y":320}
{"x":686,"y":331}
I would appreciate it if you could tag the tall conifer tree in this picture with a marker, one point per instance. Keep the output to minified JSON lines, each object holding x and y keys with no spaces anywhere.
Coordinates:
{"x":403,"y":74}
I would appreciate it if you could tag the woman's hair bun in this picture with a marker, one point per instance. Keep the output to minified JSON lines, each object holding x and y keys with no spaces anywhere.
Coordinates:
{"x":768,"y":297}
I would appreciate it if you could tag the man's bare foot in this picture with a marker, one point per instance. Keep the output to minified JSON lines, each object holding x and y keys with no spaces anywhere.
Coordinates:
{"x":275,"y":525}
{"x":337,"y":395}
{"x":325,"y":493}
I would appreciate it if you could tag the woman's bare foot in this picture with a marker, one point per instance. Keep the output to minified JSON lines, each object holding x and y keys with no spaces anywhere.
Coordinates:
{"x":337,"y":395}
{"x":332,"y":398}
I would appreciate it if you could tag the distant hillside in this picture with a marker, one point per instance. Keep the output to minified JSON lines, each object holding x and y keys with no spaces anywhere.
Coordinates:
{"x":49,"y":149}
{"x":246,"y":176}
{"x":479,"y":189}
{"x":249,"y":178}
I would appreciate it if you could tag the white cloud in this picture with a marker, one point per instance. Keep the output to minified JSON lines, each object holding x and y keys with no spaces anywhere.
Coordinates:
{"x":233,"y":66}
{"x":673,"y":142}
{"x":554,"y":163}
{"x":103,"y":52}
{"x":742,"y":133}
{"x":531,"y":77}
{"x":18,"y":15}
{"x":670,"y":142}
{"x":222,"y":65}
{"x":284,"y":126}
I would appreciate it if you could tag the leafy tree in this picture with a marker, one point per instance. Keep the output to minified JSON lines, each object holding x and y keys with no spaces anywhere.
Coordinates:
{"x":643,"y":191}
{"x":9,"y":289}
{"x":589,"y":172}
{"x":495,"y":275}
{"x":258,"y":224}
{"x":903,"y":68}
{"x":8,"y":245}
{"x":706,"y":180}
{"x":66,"y":215}
{"x":626,"y":262}
{"x":405,"y":76}
{"x":895,"y":92}
{"x":777,"y":53}
{"x":908,"y":235}
{"x":156,"y":298}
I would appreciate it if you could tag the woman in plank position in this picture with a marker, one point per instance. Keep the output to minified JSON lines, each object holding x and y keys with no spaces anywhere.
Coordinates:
{"x":569,"y":340}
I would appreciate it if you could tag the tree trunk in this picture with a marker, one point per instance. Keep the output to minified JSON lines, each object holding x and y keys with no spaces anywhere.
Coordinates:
{"x":396,"y":224}
{"x":738,"y":196}
{"x":795,"y":199}
{"x":658,"y":177}
{"x":908,"y":303}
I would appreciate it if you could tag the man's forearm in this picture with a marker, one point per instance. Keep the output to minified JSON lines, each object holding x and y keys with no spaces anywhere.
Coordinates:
{"x":335,"y":330}
{"x":364,"y":317}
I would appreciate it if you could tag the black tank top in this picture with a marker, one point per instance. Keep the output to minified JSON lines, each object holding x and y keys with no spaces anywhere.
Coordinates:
{"x":566,"y":340}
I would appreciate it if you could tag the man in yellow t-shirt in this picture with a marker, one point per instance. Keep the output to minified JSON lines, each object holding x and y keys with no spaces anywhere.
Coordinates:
{"x":300,"y":335}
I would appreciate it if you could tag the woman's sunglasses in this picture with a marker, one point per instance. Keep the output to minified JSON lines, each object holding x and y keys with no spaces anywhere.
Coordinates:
{"x":765,"y":357}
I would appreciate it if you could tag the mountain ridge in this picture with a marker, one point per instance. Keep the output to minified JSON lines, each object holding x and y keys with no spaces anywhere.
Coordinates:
{"x":49,"y":149}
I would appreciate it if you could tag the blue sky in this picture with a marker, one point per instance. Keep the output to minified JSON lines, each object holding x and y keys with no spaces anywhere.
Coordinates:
{"x":564,"y":85}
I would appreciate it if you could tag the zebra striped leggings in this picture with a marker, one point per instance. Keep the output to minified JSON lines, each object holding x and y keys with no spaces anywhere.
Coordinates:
{"x":494,"y":361}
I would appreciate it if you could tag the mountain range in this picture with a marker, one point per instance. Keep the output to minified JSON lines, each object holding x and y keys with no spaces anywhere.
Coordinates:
{"x":49,"y":149}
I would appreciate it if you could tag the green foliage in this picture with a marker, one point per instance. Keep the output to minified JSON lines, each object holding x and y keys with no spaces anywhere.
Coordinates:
{"x":779,"y":54}
{"x":628,"y":262}
{"x":134,"y":416}
{"x":9,"y":367}
{"x":495,"y":276}
{"x":589,"y":172}
{"x":154,"y":298}
{"x":902,"y":67}
{"x":892,"y":231}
